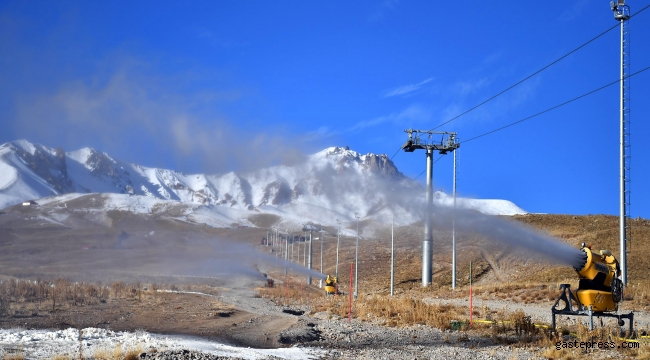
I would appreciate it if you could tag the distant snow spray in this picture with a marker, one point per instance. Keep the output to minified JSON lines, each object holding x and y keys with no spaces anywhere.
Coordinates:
{"x":281,"y":263}
{"x":514,"y":234}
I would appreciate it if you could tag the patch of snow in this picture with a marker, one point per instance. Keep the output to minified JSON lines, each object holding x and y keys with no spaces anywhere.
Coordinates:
{"x":8,"y":175}
{"x":25,"y":145}
{"x":81,"y":155}
{"x":46,"y":344}
{"x":484,"y":206}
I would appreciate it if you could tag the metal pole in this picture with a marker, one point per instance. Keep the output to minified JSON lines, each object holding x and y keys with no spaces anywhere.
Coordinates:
{"x":427,"y":243}
{"x":453,"y":231}
{"x":338,"y":240}
{"x":304,"y":253}
{"x":471,"y":306}
{"x":322,"y":235}
{"x":356,"y":262}
{"x":392,"y":256}
{"x":309,"y":260}
{"x":623,"y":232}
{"x":350,"y":298}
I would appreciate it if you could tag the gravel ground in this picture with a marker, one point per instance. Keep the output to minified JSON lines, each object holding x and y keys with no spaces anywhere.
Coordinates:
{"x":183,"y":355}
{"x":363,"y":340}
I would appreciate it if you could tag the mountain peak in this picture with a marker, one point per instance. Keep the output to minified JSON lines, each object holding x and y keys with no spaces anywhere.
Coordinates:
{"x":336,"y":151}
{"x":336,"y":180}
{"x":25,"y":145}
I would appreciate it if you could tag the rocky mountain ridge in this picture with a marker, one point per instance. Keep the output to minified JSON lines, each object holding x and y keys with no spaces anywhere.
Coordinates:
{"x":336,"y":182}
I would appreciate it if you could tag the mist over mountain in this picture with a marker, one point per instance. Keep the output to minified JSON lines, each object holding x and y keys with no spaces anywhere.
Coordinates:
{"x":334,"y":183}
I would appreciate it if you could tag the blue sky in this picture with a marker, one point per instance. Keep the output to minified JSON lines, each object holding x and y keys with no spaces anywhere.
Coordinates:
{"x":214,"y":86}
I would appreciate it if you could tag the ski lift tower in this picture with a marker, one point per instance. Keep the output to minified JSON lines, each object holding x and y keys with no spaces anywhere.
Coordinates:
{"x":622,"y":14}
{"x":447,"y":143}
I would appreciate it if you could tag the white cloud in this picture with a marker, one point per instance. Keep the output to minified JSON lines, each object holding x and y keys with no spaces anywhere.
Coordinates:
{"x":406,"y":89}
{"x":411,"y":114}
{"x":574,"y":11}
{"x":128,"y":112}
{"x":464,"y":88}
{"x":384,"y":6}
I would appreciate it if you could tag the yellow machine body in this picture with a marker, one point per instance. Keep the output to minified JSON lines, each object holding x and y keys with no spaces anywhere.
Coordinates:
{"x":599,"y":290}
{"x":597,"y":276}
{"x":598,"y":300}
{"x":330,"y":285}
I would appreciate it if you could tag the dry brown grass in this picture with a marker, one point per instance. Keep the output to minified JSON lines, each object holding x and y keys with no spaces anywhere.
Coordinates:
{"x":102,"y":354}
{"x":20,"y":297}
{"x":61,"y":357}
{"x":397,"y":311}
{"x":133,"y":354}
{"x":18,"y":356}
{"x":405,"y":311}
{"x":57,"y":293}
{"x":117,"y":353}
{"x":514,"y":327}
{"x":291,"y":293}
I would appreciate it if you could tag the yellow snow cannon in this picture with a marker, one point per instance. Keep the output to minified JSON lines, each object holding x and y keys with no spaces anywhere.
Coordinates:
{"x":599,"y":290}
{"x":599,"y":287}
{"x":331,"y":286}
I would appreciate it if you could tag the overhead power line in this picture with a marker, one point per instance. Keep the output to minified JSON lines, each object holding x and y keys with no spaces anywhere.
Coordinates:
{"x":543,"y":112}
{"x":538,"y":71}
{"x":530,"y":76}
{"x":423,"y":171}
{"x":556,"y":106}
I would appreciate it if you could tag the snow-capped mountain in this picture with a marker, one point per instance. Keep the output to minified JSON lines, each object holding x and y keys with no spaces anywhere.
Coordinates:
{"x":333,"y":183}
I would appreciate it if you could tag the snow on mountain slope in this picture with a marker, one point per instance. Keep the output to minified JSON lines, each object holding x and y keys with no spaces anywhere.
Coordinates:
{"x":19,"y":182}
{"x":8,"y":175}
{"x":485,"y":206}
{"x":333,"y":183}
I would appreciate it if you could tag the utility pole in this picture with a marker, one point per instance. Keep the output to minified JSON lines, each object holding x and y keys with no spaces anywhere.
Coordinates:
{"x":338,"y":241}
{"x":447,"y":143}
{"x":392,"y":255}
{"x":356,"y":261}
{"x":286,"y":249}
{"x":309,"y":259}
{"x":322,"y":237}
{"x":453,"y":229}
{"x":622,"y":14}
{"x":304,"y":252}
